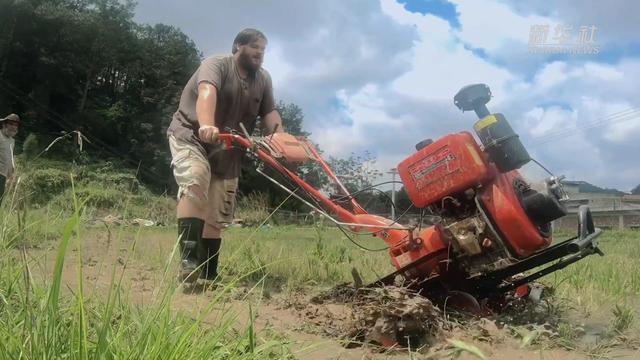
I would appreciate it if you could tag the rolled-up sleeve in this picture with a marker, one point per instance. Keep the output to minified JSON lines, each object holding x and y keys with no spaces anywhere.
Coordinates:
{"x":211,"y":71}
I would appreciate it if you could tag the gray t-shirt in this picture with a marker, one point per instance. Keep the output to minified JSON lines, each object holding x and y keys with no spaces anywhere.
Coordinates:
{"x":238,"y":100}
{"x":6,"y":155}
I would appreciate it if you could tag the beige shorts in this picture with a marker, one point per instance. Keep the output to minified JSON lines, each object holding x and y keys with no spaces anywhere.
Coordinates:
{"x":191,"y":167}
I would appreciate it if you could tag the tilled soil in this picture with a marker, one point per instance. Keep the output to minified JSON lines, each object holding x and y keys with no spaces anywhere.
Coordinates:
{"x":398,"y":319}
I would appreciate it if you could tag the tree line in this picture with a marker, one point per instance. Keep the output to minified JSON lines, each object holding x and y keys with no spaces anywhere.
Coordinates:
{"x":85,"y":65}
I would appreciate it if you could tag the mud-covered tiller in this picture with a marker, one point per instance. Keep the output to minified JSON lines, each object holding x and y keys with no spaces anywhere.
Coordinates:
{"x":493,"y":227}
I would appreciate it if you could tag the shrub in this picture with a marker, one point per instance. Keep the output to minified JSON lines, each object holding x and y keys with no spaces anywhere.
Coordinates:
{"x":253,"y":209}
{"x":30,"y":147}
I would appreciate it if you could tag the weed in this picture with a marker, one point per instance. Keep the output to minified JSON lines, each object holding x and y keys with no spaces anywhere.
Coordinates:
{"x":459,"y":347}
{"x":623,"y":317}
{"x":43,"y":320}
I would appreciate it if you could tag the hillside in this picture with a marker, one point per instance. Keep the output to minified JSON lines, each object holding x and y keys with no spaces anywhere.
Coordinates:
{"x":101,"y":188}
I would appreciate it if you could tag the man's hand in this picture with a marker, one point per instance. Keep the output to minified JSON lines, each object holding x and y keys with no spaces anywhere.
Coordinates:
{"x":208,"y":134}
{"x":272,"y":122}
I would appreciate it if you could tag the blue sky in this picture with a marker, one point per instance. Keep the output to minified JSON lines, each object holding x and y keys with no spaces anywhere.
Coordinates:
{"x":380,"y":76}
{"x":439,"y":8}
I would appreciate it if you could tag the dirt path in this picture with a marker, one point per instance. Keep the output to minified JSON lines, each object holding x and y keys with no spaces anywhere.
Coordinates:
{"x":313,"y":329}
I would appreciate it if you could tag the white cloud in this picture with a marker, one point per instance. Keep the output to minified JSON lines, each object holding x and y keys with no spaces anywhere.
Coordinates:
{"x":276,"y":61}
{"x":595,"y":93}
{"x":623,"y":131}
{"x":620,"y":121}
{"x":491,"y":25}
{"x":553,"y":120}
{"x":594,"y":131}
{"x":556,"y":133}
{"x":551,"y":74}
{"x":602,"y":72}
{"x":440,"y":64}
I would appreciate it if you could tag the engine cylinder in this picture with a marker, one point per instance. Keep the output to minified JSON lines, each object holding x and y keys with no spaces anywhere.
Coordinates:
{"x":541,"y":208}
{"x":501,"y":143}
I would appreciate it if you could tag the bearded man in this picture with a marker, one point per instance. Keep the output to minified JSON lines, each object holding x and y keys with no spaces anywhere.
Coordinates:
{"x":225,"y":91}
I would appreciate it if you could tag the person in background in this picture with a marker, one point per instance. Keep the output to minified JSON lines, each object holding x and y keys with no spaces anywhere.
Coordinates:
{"x":9,"y":129}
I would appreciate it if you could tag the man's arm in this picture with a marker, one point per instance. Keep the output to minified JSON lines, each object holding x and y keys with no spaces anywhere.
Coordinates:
{"x":271,"y":120}
{"x":206,"y":110}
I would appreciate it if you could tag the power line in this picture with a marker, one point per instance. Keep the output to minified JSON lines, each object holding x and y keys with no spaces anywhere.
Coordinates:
{"x":614,"y":118}
{"x":609,"y":116}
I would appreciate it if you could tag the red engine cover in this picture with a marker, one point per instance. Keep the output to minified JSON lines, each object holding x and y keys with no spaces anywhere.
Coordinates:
{"x":502,"y":205}
{"x":452,"y":164}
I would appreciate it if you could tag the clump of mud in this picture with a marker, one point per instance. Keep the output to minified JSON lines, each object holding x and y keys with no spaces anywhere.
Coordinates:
{"x":397,"y":317}
{"x":394,"y":316}
{"x":339,"y":294}
{"x":548,"y":309}
{"x":387,"y":316}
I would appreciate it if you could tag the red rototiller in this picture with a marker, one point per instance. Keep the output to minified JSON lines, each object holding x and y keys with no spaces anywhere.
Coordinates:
{"x":493,"y":226}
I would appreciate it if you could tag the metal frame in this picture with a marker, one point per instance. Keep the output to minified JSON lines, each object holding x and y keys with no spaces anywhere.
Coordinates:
{"x":230,"y":139}
{"x":566,"y":252}
{"x":348,"y":218}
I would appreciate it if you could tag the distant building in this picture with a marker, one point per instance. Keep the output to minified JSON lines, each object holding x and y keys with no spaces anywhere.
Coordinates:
{"x":611,"y":209}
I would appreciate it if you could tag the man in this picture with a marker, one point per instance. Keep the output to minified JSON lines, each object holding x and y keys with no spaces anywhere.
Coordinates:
{"x":9,"y":129}
{"x":224,"y":92}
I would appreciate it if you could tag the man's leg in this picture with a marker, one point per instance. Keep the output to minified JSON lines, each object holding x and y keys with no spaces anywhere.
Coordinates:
{"x":190,"y":226}
{"x":211,"y":241}
{"x":222,"y":198}
{"x":3,"y":181}
{"x":192,"y":172}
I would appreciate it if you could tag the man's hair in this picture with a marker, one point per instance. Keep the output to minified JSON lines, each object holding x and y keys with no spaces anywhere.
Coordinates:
{"x":245,"y":37}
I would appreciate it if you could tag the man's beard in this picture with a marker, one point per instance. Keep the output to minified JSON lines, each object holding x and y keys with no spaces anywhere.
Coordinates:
{"x":9,"y":133}
{"x":247,"y":63}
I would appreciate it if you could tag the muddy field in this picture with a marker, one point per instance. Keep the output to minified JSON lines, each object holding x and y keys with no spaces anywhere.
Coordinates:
{"x":337,"y":321}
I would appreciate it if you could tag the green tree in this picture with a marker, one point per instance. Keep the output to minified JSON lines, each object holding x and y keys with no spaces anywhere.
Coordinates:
{"x":292,"y":117}
{"x":358,"y":175}
{"x":357,"y":171}
{"x":85,"y":65}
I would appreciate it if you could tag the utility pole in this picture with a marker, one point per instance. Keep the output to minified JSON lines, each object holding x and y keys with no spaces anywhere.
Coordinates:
{"x":393,"y":173}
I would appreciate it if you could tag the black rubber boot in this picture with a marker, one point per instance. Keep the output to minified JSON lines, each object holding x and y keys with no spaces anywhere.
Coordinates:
{"x":190,"y":233}
{"x":209,"y":257}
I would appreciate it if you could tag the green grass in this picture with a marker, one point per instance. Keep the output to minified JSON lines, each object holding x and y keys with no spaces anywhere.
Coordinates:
{"x":105,"y":189}
{"x":293,"y":257}
{"x":598,"y":283}
{"x":49,"y":319}
{"x":281,"y":258}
